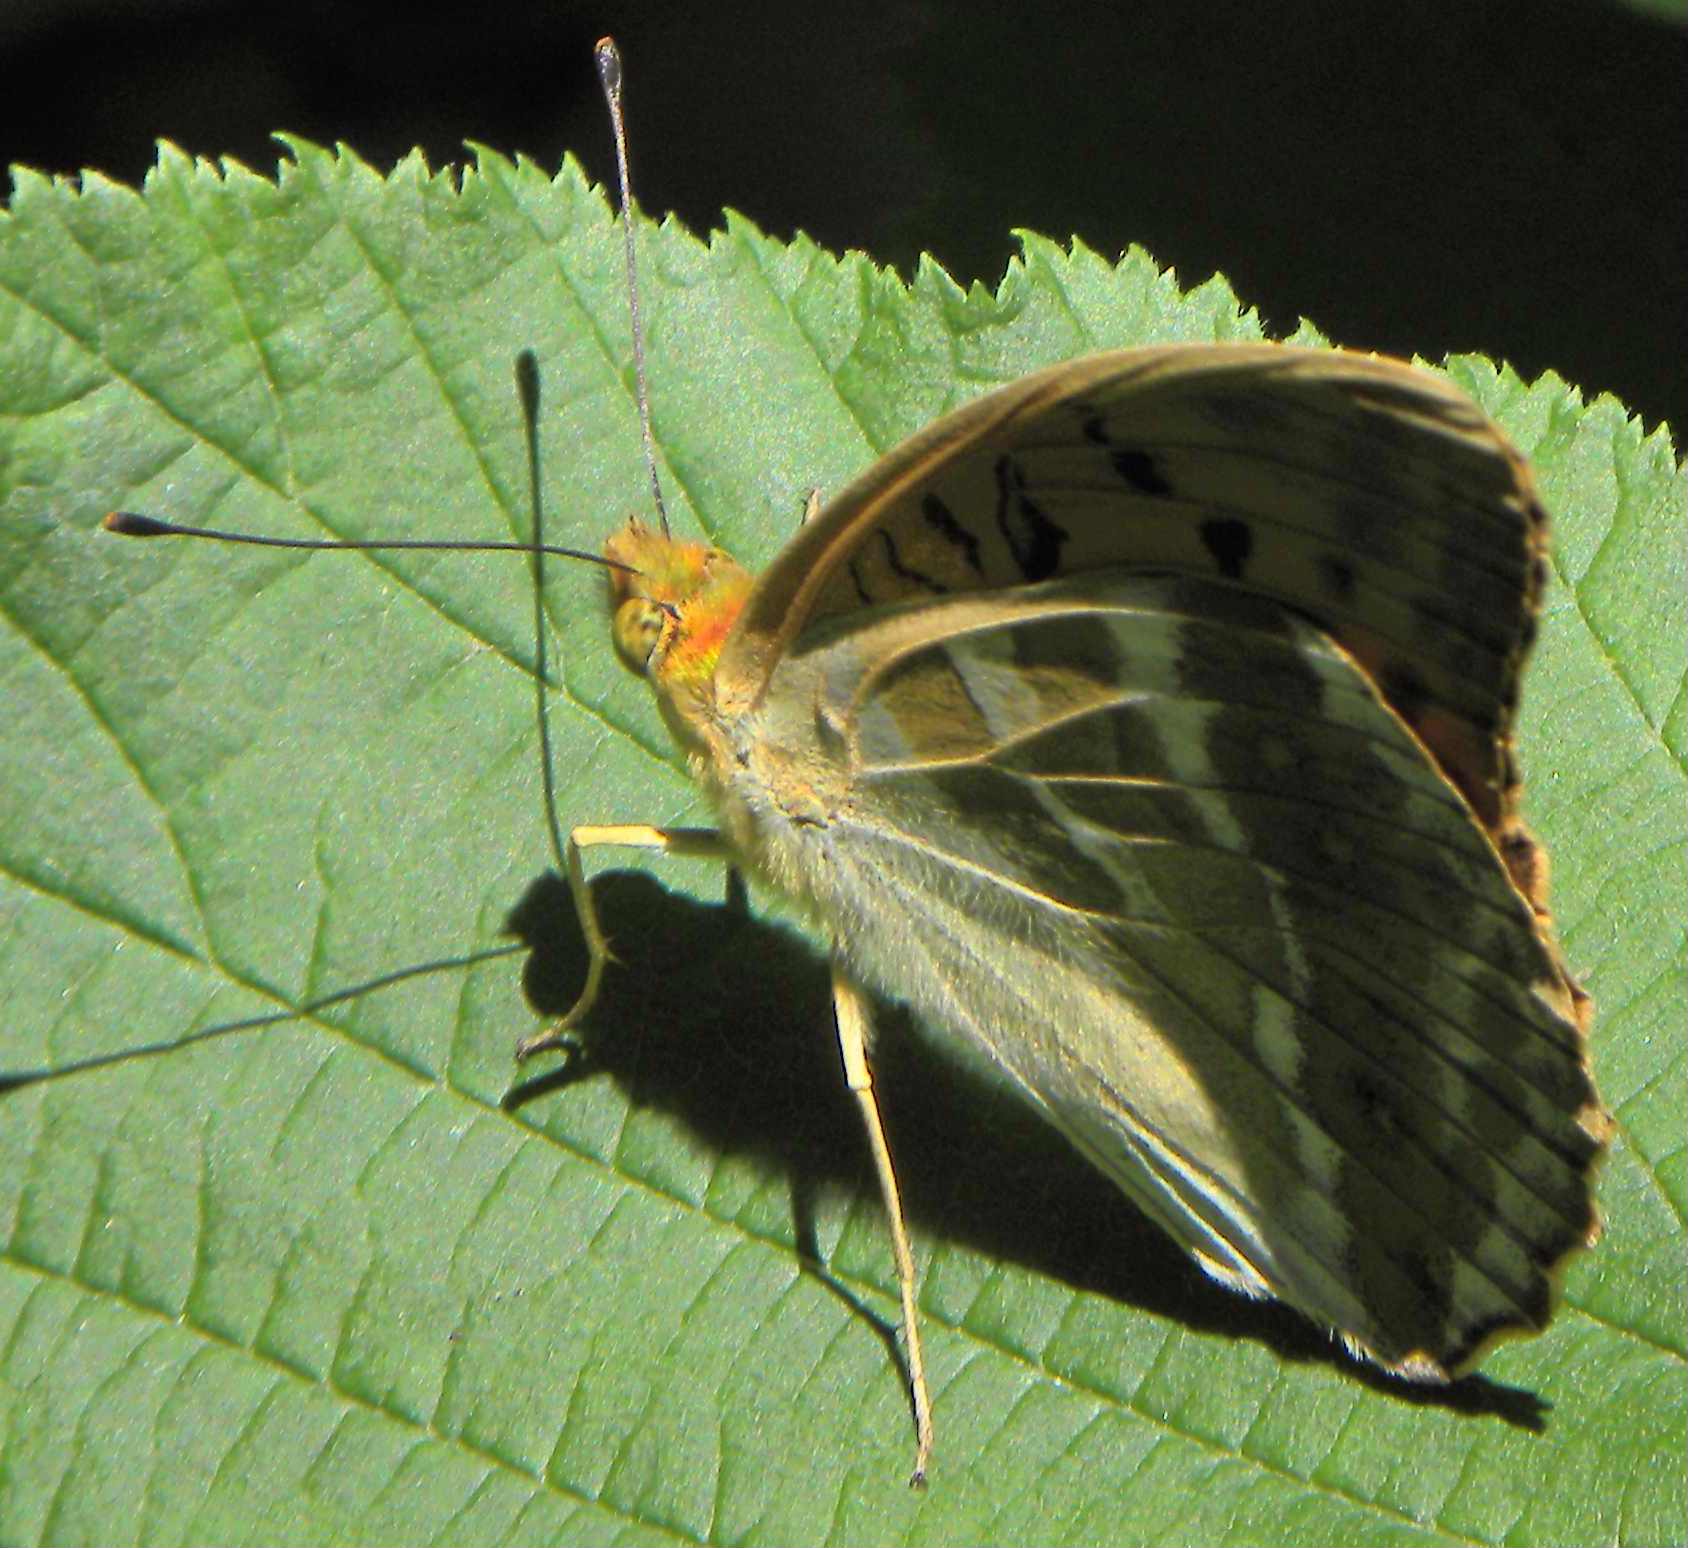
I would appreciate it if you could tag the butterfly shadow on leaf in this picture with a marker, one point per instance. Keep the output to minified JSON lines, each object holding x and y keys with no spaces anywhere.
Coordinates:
{"x":725,"y":1021}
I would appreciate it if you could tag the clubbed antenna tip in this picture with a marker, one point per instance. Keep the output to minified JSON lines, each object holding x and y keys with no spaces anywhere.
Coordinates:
{"x":133,"y":524}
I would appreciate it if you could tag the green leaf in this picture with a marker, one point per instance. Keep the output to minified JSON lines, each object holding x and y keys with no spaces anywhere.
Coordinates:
{"x":355,"y":1279}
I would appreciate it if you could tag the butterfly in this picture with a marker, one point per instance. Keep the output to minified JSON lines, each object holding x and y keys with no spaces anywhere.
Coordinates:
{"x":1147,"y":723}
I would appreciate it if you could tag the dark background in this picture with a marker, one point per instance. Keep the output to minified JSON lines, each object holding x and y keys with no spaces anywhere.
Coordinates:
{"x":1496,"y":175}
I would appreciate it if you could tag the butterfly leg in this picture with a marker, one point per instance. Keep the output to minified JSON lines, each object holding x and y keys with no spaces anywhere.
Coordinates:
{"x":688,"y":843}
{"x":854,"y":1027}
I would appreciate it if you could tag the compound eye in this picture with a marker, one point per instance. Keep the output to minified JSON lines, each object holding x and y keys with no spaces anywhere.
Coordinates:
{"x":637,"y":630}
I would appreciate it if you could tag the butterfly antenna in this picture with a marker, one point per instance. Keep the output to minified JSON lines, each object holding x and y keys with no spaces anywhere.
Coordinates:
{"x":134,"y":524}
{"x":608,"y":58}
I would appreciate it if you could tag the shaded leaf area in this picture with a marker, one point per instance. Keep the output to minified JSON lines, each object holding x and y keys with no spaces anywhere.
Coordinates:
{"x":749,"y":1066}
{"x":357,"y":1278}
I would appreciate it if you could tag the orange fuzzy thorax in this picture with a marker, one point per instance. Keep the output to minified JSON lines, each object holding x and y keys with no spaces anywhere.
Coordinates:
{"x":672,"y":617}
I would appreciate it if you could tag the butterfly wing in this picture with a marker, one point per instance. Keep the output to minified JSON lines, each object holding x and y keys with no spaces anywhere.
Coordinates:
{"x":1259,"y":963}
{"x":1370,"y":496}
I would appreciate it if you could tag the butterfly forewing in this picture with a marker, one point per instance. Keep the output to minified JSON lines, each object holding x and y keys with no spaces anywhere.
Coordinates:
{"x":1164,"y":852}
{"x":1367,"y":495}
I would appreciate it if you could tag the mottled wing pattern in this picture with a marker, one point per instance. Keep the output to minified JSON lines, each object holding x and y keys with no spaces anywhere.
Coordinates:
{"x":1260,"y":964}
{"x":1365,"y":494}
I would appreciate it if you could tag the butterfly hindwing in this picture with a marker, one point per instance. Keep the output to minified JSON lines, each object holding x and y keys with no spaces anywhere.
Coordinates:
{"x":1255,"y":956}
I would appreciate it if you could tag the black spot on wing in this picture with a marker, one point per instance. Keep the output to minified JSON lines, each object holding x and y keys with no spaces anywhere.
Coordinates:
{"x":1405,"y":691}
{"x":1137,"y":467}
{"x":1139,"y":470}
{"x":1033,"y":539}
{"x":1370,"y":1102}
{"x":942,"y":520}
{"x":1430,"y":1272}
{"x":1230,"y":542}
{"x":1337,"y":577}
{"x":906,"y":572}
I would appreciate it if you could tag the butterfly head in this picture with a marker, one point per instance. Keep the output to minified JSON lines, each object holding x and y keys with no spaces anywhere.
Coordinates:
{"x":673,"y":606}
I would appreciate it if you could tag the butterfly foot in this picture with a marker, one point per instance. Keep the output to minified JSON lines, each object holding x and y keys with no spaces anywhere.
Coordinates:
{"x":560,"y":1035}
